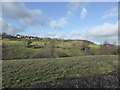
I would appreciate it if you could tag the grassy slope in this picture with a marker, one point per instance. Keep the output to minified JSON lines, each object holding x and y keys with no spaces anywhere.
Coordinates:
{"x":24,"y":52}
{"x":15,"y":42}
{"x":63,"y":44}
{"x":27,"y":72}
{"x":37,"y":43}
{"x":94,"y":48}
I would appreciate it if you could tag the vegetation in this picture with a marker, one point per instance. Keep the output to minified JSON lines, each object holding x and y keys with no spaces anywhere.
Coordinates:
{"x":37,"y":43}
{"x":29,"y":61}
{"x":23,"y":48}
{"x":18,"y":53}
{"x":95,"y":48}
{"x":27,"y":72}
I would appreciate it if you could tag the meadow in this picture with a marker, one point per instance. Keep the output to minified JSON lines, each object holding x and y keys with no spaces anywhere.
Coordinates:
{"x":24,"y":73}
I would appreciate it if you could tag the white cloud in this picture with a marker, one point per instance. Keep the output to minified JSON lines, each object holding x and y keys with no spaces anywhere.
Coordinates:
{"x":83,"y":13}
{"x":99,"y":33}
{"x":78,"y":6}
{"x":61,"y":22}
{"x":54,"y":35}
{"x":69,"y":14}
{"x":50,"y":34}
{"x":58,"y":24}
{"x":113,"y":12}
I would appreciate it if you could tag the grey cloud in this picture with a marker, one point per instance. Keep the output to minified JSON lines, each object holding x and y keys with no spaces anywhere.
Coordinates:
{"x":15,"y":10}
{"x":73,"y":6}
{"x":20,"y":13}
{"x":23,"y":16}
{"x":9,"y":28}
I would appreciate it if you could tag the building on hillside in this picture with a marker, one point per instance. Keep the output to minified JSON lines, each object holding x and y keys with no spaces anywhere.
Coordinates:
{"x":107,"y":45}
{"x":19,"y":36}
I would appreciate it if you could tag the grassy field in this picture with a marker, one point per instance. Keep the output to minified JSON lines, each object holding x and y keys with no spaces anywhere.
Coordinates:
{"x":37,"y":43}
{"x":94,"y":48}
{"x":27,"y":72}
{"x":16,"y":42}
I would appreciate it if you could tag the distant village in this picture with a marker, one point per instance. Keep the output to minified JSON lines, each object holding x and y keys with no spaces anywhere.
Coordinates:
{"x":18,"y":36}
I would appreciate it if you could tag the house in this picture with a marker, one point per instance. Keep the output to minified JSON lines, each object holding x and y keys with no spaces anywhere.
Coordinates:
{"x":85,"y":49}
{"x":106,"y":45}
{"x":19,"y":36}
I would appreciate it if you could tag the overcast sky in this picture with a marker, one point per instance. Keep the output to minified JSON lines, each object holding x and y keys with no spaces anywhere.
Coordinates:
{"x":95,"y":21}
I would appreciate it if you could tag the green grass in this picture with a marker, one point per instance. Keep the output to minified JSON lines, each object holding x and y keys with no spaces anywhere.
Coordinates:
{"x":72,"y":52}
{"x":11,"y":42}
{"x":58,"y":43}
{"x":63,"y":44}
{"x":94,"y":48}
{"x":26,"y":72}
{"x":15,"y":42}
{"x":37,"y":43}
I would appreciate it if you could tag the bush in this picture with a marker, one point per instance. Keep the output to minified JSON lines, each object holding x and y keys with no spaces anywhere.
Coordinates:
{"x":49,"y":51}
{"x":47,"y":54}
{"x":108,"y":50}
{"x":16,"y":53}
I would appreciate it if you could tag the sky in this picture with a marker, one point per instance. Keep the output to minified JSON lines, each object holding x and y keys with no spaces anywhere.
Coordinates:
{"x":94,"y":21}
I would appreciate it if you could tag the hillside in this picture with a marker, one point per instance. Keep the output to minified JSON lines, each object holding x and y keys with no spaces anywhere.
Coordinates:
{"x":25,"y":47}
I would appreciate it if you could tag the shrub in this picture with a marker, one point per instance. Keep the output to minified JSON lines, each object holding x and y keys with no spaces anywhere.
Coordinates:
{"x":16,"y":53}
{"x":108,"y":50}
{"x":49,"y":51}
{"x":46,"y":53}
